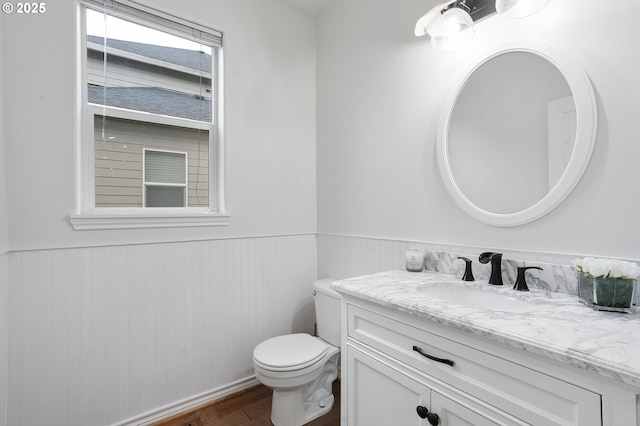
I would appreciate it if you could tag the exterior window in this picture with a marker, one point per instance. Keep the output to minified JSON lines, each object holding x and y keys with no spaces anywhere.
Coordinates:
{"x":151,"y":103}
{"x":165,"y":179}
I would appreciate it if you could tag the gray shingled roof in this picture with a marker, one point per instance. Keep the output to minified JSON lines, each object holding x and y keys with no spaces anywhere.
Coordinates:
{"x":154,"y":100}
{"x":184,"y":57}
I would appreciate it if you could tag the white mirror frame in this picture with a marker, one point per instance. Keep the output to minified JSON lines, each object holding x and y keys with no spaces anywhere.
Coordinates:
{"x":586,"y":117}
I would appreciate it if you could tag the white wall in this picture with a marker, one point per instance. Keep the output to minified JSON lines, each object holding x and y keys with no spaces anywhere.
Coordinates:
{"x":270,"y":123}
{"x":379,"y":95}
{"x":120,"y":327}
{"x":4,"y":339}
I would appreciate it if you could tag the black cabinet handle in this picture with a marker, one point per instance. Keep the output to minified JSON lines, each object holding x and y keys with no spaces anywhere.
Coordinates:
{"x":433,"y":358}
{"x":424,"y":413}
{"x":433,"y":419}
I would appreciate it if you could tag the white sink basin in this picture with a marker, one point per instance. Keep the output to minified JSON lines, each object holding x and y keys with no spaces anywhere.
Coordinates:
{"x":474,"y":297}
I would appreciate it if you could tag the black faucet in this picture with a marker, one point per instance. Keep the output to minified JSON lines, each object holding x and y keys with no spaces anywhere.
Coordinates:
{"x":496,"y":266}
{"x":521,"y":282}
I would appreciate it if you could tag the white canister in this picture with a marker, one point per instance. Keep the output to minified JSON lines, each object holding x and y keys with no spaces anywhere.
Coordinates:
{"x":415,"y":260}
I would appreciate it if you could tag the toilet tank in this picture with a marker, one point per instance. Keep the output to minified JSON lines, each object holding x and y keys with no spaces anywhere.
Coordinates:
{"x":327,"y":302}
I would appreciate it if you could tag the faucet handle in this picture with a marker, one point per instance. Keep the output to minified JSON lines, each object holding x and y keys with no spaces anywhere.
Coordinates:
{"x":468,"y":272}
{"x":521,"y":281}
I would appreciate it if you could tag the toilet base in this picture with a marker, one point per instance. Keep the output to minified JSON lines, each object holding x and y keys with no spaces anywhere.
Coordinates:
{"x":299,"y":406}
{"x":288,"y":409}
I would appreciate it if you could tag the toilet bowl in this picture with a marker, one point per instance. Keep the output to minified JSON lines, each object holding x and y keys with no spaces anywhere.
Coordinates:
{"x":301,"y":368}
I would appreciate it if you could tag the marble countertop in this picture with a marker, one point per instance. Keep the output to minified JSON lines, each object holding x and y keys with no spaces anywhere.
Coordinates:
{"x":556,"y":326}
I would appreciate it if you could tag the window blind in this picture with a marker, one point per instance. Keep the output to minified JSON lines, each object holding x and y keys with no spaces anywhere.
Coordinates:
{"x":134,"y":65}
{"x":158,"y":19}
{"x":165,"y":167}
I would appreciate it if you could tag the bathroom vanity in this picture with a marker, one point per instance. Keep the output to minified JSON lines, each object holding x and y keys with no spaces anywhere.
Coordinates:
{"x":427,"y":348}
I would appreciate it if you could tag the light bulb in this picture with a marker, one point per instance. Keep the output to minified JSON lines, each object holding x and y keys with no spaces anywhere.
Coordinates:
{"x":454,"y":29}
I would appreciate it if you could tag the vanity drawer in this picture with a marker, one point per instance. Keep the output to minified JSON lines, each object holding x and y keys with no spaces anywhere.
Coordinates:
{"x":529,"y":395}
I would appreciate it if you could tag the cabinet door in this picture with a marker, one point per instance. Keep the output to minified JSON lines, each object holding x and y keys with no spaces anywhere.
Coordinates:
{"x":466,"y":413}
{"x":380,"y":395}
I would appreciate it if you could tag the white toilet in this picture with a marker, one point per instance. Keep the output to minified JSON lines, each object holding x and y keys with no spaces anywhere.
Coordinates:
{"x":301,"y":368}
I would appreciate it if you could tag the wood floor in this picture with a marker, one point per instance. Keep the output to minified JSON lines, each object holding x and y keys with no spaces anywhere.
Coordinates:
{"x":249,"y":407}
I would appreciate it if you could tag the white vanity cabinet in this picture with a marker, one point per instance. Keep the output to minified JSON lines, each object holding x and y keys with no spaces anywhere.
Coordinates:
{"x":384,"y":393}
{"x":394,"y":362}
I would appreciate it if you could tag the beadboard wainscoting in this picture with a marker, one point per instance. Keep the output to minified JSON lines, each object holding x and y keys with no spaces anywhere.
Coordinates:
{"x":345,"y":256}
{"x":129,"y":334}
{"x":4,"y":349}
{"x":341,"y":256}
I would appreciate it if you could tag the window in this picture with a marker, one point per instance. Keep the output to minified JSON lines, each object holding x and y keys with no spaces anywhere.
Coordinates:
{"x":165,"y":179}
{"x":151,"y":145}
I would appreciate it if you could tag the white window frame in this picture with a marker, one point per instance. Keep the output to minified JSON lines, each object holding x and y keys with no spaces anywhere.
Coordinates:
{"x":86,"y":215}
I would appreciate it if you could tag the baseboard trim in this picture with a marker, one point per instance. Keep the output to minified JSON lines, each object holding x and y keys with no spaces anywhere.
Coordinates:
{"x":188,"y":404}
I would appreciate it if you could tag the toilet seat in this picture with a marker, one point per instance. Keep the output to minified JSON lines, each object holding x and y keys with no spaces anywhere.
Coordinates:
{"x":289,"y":352}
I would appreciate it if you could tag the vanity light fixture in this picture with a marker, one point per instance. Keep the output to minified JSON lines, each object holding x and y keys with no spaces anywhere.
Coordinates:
{"x":519,"y":8}
{"x":450,"y":24}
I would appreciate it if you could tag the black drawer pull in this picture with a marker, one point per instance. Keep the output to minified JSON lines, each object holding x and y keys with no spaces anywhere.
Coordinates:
{"x":433,"y":358}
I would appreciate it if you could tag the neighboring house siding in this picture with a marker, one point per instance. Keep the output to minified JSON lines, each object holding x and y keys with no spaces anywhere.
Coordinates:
{"x":118,"y":160}
{"x":171,"y":55}
{"x":169,"y":68}
{"x":119,"y":74}
{"x":146,"y":82}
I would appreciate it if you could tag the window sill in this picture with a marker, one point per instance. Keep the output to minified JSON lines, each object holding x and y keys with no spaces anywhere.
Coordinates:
{"x":142,"y":218}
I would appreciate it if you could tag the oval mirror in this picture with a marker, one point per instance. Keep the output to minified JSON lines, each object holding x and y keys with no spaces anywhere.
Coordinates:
{"x":518,"y":133}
